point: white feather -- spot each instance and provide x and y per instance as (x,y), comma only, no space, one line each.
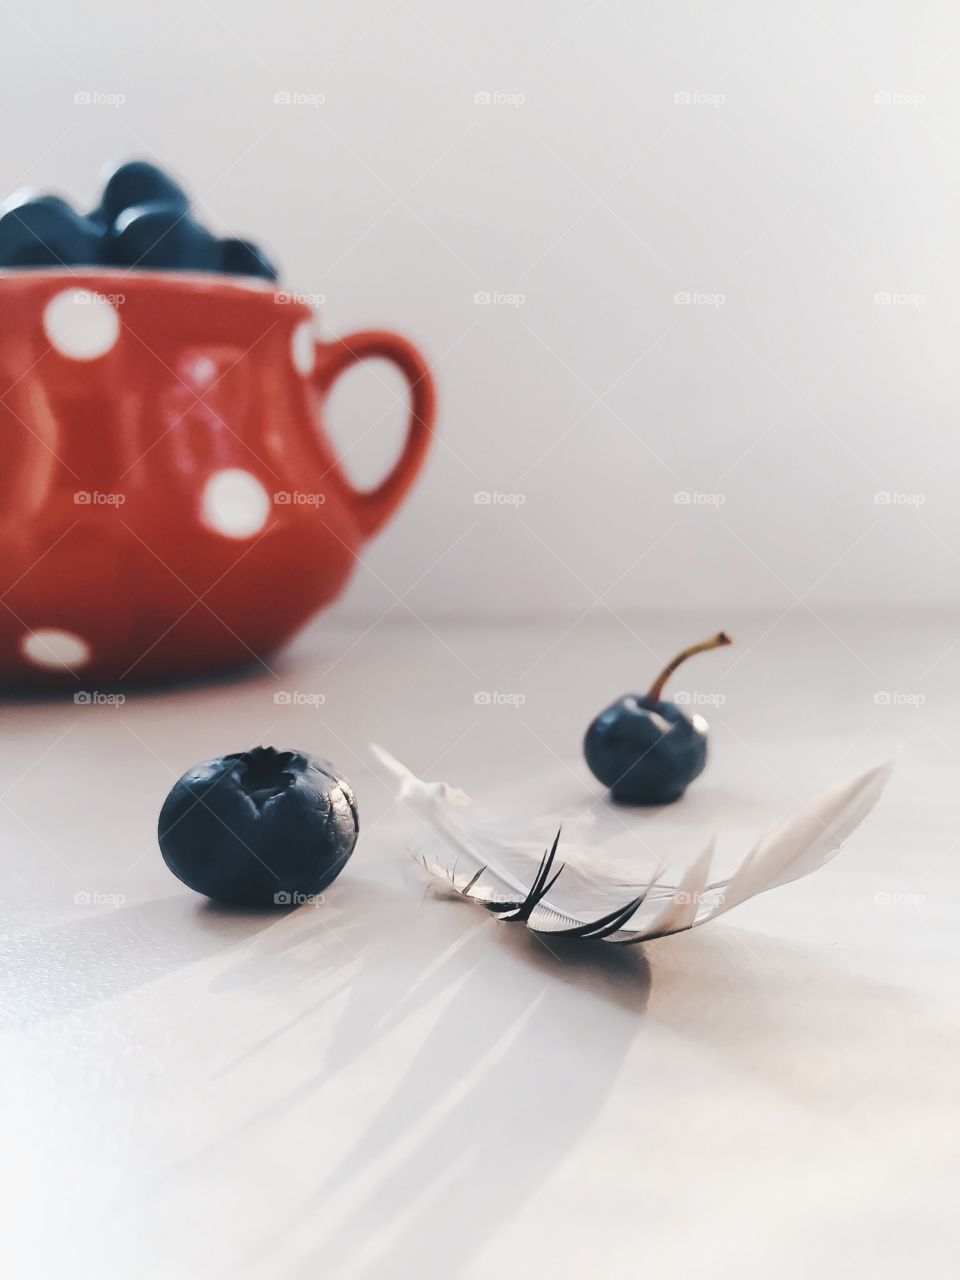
(466,849)
(807,842)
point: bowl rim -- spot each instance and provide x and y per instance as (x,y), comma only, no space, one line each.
(249,288)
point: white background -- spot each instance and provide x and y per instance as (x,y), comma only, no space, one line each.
(786,186)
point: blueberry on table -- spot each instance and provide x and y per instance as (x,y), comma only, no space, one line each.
(160,236)
(136,183)
(644,748)
(43,231)
(243,258)
(259,828)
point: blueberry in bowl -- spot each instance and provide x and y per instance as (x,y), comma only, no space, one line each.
(136,183)
(44,231)
(160,236)
(243,258)
(259,828)
(143,221)
(643,747)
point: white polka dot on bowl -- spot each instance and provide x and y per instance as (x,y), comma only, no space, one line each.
(303,348)
(54,650)
(81,324)
(235,503)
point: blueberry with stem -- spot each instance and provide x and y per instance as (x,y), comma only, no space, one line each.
(645,749)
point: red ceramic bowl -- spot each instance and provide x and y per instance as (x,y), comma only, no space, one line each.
(169,504)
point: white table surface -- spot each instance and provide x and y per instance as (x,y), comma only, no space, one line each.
(392,1085)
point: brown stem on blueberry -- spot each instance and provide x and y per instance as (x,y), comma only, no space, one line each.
(715,642)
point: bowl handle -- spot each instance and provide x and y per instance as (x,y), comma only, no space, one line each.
(373,507)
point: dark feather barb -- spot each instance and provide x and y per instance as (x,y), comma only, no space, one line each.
(598,929)
(546,862)
(471,882)
(541,886)
(543,882)
(521,911)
